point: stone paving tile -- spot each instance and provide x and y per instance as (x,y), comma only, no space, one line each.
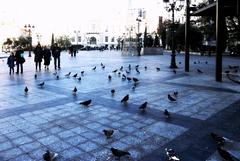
(11,154)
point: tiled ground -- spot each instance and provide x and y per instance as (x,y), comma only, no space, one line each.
(51,117)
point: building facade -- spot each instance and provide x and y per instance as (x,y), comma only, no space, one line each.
(95,35)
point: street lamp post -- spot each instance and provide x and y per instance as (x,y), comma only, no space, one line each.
(138,36)
(28,28)
(172,8)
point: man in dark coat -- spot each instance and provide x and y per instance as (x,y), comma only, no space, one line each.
(56,55)
(38,56)
(19,59)
(46,56)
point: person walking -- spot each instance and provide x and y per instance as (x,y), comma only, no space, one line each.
(71,50)
(19,59)
(56,51)
(38,56)
(10,63)
(46,57)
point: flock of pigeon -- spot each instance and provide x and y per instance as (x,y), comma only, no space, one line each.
(172,156)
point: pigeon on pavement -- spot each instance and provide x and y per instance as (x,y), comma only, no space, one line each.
(119,153)
(41,84)
(125,98)
(199,71)
(26,90)
(67,75)
(108,133)
(166,113)
(143,106)
(171,98)
(86,103)
(49,156)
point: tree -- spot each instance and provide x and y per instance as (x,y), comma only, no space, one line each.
(8,42)
(156,42)
(63,41)
(179,36)
(162,32)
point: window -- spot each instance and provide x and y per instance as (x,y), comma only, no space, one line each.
(106,39)
(112,39)
(79,39)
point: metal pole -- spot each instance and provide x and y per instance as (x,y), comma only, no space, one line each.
(173,55)
(30,43)
(220,19)
(187,26)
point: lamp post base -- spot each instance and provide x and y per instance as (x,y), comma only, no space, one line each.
(173,62)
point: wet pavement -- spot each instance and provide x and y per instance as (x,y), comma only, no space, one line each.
(51,117)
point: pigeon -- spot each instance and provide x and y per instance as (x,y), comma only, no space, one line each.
(67,75)
(199,71)
(127,72)
(175,93)
(57,77)
(119,73)
(233,67)
(129,66)
(171,98)
(129,79)
(174,71)
(199,62)
(49,156)
(143,106)
(75,75)
(55,73)
(166,113)
(195,62)
(125,98)
(103,67)
(74,90)
(172,156)
(108,133)
(79,78)
(206,62)
(119,153)
(136,66)
(109,77)
(115,71)
(124,76)
(41,84)
(137,71)
(180,62)
(121,68)
(133,88)
(225,154)
(82,72)
(158,69)
(135,80)
(113,91)
(35,76)
(102,64)
(94,68)
(218,139)
(86,103)
(26,90)
(145,67)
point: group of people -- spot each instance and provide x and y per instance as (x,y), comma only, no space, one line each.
(41,53)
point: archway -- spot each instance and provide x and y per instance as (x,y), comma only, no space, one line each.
(93,41)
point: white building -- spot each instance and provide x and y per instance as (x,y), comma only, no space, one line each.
(95,34)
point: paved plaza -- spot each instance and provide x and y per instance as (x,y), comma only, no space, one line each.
(52,118)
